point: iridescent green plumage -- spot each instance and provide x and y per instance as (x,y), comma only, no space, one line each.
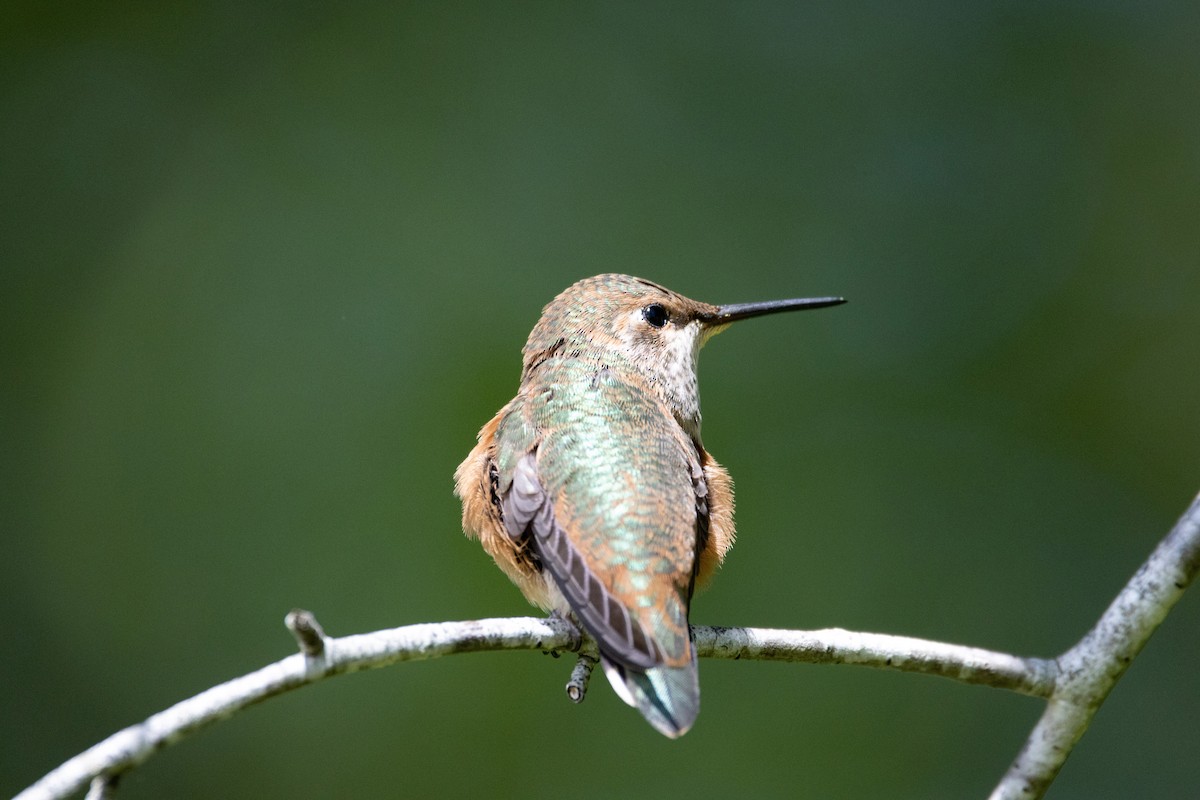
(592,490)
(612,471)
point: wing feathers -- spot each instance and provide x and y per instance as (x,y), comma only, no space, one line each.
(527,509)
(524,501)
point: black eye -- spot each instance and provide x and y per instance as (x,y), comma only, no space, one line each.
(655,315)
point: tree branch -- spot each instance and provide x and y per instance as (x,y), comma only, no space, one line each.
(1089,670)
(1075,684)
(133,745)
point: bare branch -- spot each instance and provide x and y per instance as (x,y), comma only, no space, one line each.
(1075,684)
(1090,669)
(309,635)
(1031,676)
(103,787)
(589,654)
(133,745)
(136,743)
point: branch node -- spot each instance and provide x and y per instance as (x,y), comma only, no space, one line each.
(571,629)
(582,673)
(309,635)
(103,787)
(1075,683)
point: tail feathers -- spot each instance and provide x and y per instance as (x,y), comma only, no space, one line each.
(668,697)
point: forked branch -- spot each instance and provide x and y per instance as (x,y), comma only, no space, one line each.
(1089,670)
(1075,684)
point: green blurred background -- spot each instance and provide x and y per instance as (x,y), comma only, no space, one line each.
(267,269)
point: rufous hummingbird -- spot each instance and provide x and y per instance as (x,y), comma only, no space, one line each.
(591,488)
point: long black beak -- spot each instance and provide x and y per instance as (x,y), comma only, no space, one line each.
(735,311)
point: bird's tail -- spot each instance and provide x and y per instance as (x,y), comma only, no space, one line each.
(668,697)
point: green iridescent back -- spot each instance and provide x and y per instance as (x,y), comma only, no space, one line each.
(618,473)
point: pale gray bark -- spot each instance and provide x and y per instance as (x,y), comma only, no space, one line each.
(1089,670)
(1074,684)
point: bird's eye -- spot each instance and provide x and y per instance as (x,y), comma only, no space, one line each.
(655,315)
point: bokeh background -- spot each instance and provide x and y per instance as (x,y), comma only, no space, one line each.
(267,269)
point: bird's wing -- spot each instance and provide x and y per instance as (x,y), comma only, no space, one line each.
(527,507)
(595,470)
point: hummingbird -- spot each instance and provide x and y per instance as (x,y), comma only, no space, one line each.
(592,491)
